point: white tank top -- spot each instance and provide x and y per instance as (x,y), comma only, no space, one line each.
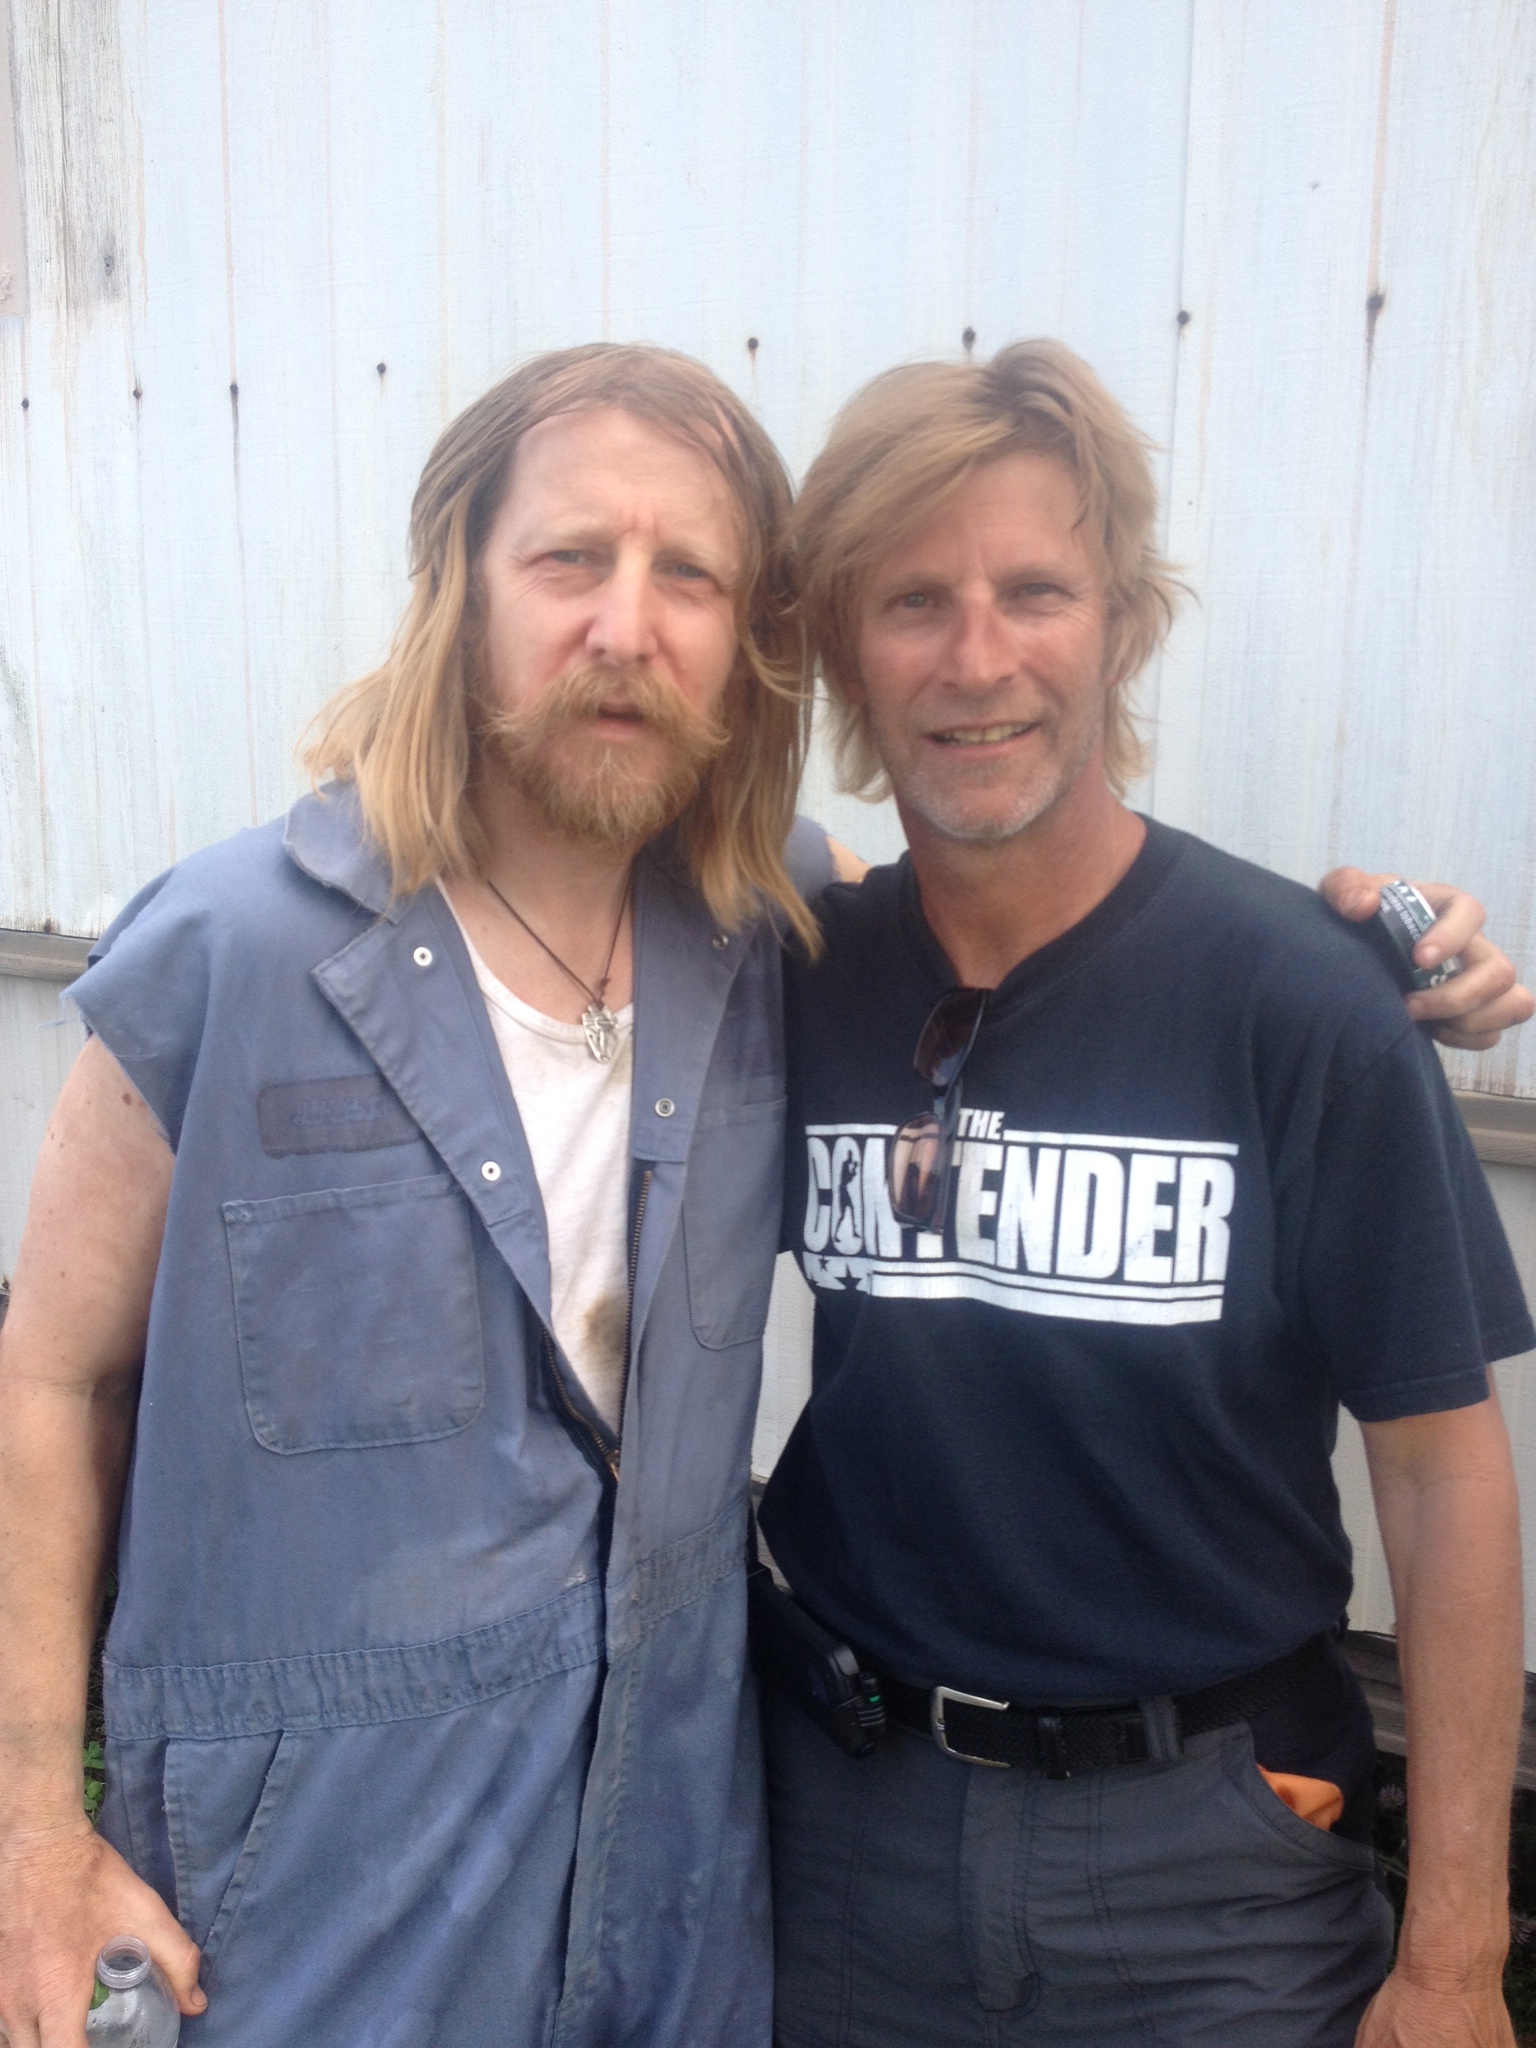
(575,1114)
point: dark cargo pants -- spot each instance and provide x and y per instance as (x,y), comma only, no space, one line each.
(921,1902)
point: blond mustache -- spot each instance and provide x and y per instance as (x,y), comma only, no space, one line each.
(585,693)
(600,792)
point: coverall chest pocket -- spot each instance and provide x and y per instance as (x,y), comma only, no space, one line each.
(357,1315)
(731,1211)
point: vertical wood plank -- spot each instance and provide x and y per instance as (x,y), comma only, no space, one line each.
(523,155)
(1438,764)
(13,247)
(281,156)
(23,854)
(92,743)
(188,529)
(1352,484)
(383,96)
(1269,420)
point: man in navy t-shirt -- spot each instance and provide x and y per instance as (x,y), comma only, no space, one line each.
(1169,1174)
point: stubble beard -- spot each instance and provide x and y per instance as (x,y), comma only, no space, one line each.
(594,789)
(973,819)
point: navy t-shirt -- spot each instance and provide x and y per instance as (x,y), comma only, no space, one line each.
(1210,1183)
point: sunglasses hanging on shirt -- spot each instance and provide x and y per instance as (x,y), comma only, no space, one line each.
(924,1145)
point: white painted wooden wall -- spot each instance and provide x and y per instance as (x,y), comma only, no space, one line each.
(270,246)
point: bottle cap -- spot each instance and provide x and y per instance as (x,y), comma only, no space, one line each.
(123,1963)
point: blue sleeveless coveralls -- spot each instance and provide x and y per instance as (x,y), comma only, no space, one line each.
(431,1734)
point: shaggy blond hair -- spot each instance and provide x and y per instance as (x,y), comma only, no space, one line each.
(405,734)
(902,449)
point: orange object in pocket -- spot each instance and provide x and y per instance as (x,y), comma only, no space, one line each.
(1313,1799)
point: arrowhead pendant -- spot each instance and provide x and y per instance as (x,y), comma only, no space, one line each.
(602,1031)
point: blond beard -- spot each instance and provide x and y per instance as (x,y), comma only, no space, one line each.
(589,787)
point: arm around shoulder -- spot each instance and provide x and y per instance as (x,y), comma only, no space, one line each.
(846,864)
(1473,1009)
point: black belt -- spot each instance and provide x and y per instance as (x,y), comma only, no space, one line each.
(1066,1741)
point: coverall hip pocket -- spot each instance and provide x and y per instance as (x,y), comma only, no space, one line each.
(222,1799)
(357,1315)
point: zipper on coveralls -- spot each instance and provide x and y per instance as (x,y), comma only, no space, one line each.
(606,1446)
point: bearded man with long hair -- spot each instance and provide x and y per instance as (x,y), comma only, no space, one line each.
(427,1150)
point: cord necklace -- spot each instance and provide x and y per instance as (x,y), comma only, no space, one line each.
(598,1022)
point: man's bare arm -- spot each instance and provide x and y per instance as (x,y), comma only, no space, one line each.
(845,862)
(70,1355)
(1446,1502)
(1473,1008)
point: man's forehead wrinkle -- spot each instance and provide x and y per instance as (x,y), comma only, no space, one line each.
(580,528)
(714,430)
(905,571)
(942,554)
(570,508)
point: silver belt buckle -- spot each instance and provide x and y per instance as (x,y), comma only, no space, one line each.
(936,1703)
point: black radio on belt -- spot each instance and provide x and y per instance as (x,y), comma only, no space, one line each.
(809,1664)
(1403,919)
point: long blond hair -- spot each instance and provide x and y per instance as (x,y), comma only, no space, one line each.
(404,734)
(902,448)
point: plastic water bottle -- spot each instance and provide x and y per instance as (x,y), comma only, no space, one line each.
(134,2006)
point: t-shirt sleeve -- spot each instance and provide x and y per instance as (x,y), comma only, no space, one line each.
(145,995)
(1406,1277)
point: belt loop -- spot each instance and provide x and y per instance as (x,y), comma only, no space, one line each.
(1165,1739)
(1053,1745)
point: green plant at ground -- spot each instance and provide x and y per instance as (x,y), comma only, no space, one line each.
(94,1759)
(95,1778)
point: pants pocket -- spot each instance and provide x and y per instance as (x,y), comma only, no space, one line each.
(222,1800)
(1318,1845)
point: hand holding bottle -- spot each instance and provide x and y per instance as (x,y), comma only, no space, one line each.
(64,1894)
(134,2005)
